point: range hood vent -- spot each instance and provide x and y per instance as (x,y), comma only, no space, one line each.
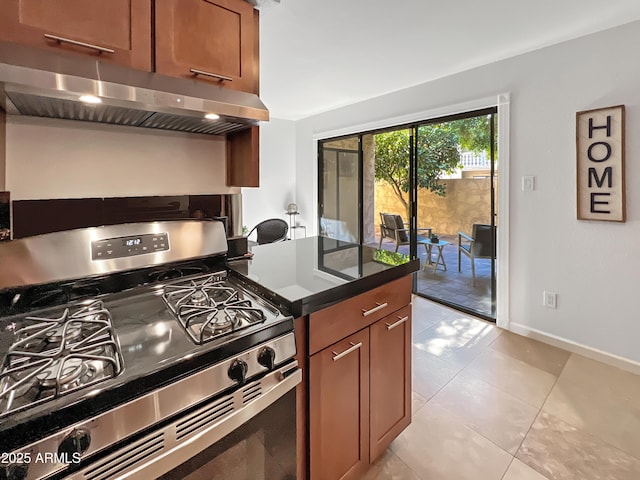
(49,84)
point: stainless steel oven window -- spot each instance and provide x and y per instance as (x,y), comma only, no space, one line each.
(264,448)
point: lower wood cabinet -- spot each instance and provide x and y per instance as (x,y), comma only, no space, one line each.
(390,374)
(359,395)
(339,409)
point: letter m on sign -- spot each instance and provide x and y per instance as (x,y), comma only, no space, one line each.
(600,164)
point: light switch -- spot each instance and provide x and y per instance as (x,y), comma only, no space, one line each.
(528,183)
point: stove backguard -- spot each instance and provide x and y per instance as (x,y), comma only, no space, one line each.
(73,254)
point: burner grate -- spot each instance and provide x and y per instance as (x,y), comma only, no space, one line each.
(54,356)
(209,308)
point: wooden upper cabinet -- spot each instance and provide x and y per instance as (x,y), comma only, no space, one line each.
(243,158)
(215,37)
(123,26)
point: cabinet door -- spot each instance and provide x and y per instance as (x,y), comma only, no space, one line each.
(390,364)
(243,158)
(215,37)
(123,26)
(339,409)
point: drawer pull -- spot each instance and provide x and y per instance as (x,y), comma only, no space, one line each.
(379,306)
(78,44)
(391,326)
(221,78)
(352,348)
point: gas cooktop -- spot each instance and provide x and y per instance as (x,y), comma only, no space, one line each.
(50,357)
(71,349)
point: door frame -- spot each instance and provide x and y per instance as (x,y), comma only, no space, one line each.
(503,102)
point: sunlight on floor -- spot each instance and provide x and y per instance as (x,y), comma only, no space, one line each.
(459,333)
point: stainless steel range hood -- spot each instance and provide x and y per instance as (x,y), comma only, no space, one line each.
(49,84)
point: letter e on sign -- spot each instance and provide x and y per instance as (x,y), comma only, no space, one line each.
(600,164)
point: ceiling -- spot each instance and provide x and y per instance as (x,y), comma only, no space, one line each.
(317,55)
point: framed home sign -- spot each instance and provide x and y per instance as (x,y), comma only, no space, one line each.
(600,164)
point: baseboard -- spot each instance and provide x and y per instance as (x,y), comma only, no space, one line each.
(571,346)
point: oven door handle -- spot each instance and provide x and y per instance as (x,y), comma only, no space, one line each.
(168,449)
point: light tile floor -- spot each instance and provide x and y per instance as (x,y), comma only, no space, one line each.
(492,405)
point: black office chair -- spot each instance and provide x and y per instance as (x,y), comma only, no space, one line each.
(270,231)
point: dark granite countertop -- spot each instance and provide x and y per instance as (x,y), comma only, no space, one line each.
(309,274)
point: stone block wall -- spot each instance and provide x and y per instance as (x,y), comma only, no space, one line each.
(467,201)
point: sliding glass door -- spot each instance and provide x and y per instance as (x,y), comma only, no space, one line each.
(428,190)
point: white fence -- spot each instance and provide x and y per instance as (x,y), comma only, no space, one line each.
(475,160)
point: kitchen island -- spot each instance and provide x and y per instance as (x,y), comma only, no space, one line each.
(353,336)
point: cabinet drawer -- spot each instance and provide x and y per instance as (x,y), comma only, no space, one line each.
(342,319)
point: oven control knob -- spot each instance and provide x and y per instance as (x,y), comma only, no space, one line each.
(74,444)
(14,471)
(267,357)
(238,371)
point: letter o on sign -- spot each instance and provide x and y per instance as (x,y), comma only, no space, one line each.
(607,148)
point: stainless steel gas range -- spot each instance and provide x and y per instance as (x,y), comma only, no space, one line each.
(129,351)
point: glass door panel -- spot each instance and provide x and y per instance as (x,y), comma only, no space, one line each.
(455,180)
(340,190)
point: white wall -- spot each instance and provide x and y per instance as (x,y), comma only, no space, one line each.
(277,175)
(49,158)
(593,266)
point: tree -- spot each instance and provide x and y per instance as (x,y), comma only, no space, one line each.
(439,148)
(437,153)
(474,133)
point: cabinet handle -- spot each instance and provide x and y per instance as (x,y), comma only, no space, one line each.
(379,306)
(391,326)
(221,78)
(352,348)
(79,44)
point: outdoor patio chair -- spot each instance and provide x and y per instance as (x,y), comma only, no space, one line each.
(270,231)
(393,226)
(480,244)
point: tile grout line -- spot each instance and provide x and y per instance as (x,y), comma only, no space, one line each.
(537,415)
(513,455)
(511,394)
(508,467)
(484,349)
(462,421)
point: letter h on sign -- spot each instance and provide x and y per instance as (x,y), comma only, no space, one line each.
(600,164)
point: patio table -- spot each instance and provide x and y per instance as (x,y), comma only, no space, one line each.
(428,244)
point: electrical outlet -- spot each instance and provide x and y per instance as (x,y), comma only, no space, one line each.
(549,299)
(528,183)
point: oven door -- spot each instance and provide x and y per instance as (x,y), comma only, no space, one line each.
(264,448)
(247,434)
